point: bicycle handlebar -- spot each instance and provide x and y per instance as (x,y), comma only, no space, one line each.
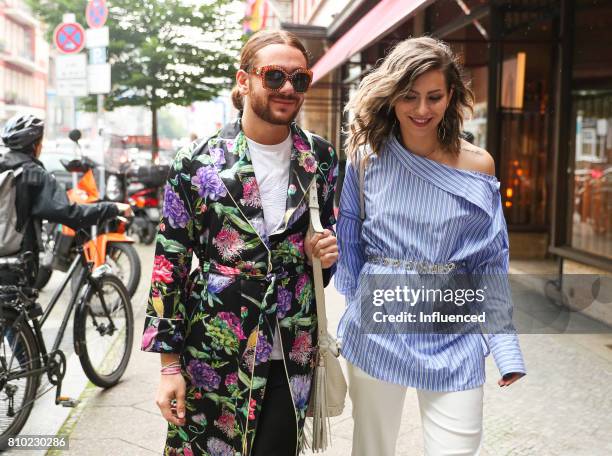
(83,234)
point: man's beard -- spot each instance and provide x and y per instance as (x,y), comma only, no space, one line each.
(261,107)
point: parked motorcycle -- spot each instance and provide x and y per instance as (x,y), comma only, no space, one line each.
(145,194)
(110,244)
(145,205)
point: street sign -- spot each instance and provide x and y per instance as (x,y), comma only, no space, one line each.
(71,75)
(99,78)
(96,13)
(69,37)
(71,66)
(71,87)
(98,37)
(97,56)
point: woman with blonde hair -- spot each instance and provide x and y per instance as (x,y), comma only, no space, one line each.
(430,204)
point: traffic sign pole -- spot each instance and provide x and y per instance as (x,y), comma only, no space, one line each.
(100,126)
(97,42)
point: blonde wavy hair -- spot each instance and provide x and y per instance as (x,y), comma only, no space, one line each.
(372,105)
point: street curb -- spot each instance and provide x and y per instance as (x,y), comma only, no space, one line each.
(73,418)
(70,423)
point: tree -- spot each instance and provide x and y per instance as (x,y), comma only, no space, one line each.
(170,126)
(161,51)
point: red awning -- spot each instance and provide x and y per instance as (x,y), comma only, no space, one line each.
(380,20)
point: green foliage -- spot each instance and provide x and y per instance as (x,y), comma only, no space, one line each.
(162,51)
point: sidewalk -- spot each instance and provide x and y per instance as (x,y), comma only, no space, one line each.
(123,420)
(563,407)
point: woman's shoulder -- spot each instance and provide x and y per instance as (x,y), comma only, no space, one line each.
(474,158)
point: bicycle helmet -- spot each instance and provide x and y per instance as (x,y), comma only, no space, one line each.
(22,131)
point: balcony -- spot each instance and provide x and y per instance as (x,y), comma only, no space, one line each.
(9,110)
(23,60)
(20,15)
(19,101)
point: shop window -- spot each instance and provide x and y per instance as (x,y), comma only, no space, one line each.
(592,187)
(591,136)
(526,114)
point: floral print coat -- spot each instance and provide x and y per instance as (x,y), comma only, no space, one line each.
(222,316)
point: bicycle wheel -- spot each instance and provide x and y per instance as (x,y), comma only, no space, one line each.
(125,263)
(124,260)
(43,276)
(18,354)
(103,334)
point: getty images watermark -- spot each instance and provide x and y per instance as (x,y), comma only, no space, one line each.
(494,304)
(411,297)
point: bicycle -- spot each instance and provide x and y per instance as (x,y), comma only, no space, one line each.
(103,332)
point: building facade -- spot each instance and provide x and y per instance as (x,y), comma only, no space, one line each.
(542,78)
(24,61)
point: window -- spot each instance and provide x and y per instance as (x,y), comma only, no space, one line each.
(591,120)
(526,115)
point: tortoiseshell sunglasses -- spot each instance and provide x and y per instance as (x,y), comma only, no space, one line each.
(273,78)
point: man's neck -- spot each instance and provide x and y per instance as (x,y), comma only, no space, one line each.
(262,132)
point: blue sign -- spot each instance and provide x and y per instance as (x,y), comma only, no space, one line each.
(97,13)
(97,56)
(69,37)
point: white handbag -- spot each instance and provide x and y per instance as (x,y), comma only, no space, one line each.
(329,386)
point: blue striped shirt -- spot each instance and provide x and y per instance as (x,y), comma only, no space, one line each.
(422,210)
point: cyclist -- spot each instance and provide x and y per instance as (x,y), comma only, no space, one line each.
(38,194)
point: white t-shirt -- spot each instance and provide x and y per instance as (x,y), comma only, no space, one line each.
(271,165)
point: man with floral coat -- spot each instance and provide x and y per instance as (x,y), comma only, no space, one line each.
(251,295)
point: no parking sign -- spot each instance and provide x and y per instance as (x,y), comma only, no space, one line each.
(96,13)
(69,37)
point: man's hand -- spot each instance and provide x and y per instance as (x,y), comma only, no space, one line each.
(126,209)
(323,246)
(171,398)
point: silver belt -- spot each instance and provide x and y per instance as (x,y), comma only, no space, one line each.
(422,267)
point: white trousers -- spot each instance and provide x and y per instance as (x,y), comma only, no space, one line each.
(451,421)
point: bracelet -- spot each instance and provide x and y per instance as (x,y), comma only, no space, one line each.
(171,370)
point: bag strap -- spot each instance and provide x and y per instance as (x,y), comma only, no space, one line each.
(16,171)
(361,170)
(316,227)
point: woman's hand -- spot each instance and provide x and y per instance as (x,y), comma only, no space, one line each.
(323,246)
(510,378)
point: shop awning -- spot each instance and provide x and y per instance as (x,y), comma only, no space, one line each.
(379,21)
